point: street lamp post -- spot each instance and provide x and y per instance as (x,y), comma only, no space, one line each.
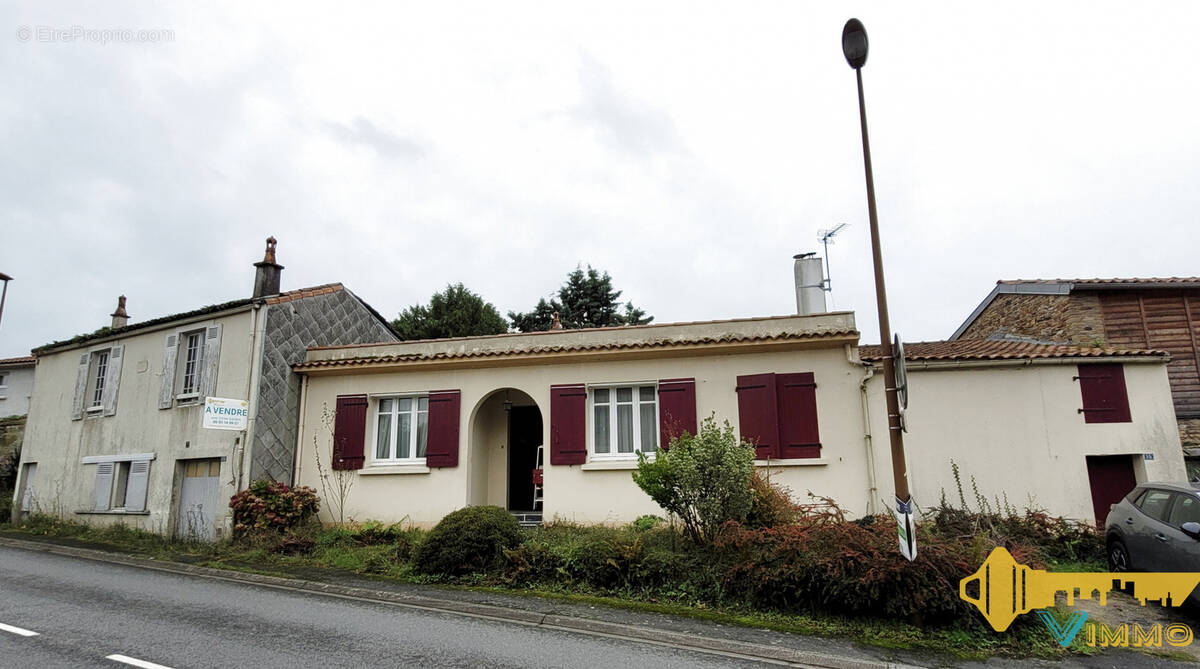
(854,46)
(5,278)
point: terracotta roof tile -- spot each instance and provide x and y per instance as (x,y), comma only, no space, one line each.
(983,349)
(24,360)
(302,293)
(1107,282)
(551,349)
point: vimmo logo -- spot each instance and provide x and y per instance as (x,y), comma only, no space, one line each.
(1003,589)
(1097,635)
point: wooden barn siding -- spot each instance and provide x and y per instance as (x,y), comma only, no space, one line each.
(1165,320)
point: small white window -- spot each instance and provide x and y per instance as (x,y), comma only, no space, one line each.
(96,379)
(120,485)
(191,359)
(624,421)
(401,429)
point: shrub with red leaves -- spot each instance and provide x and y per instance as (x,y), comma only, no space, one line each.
(848,568)
(272,506)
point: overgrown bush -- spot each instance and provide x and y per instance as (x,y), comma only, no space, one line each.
(270,506)
(702,479)
(846,568)
(771,504)
(468,540)
(998,523)
(9,464)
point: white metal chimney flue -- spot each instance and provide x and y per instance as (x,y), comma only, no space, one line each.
(810,284)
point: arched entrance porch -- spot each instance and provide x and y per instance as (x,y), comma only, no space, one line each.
(506,431)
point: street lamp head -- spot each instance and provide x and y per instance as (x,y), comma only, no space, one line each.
(854,43)
(5,277)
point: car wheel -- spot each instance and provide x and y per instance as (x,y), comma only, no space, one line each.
(1118,556)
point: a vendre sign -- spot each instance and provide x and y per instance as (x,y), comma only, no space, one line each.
(225,414)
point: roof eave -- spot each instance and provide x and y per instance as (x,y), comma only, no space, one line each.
(523,358)
(141,328)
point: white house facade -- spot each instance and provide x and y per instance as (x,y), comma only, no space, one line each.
(427,427)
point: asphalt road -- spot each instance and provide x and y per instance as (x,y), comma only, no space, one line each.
(84,611)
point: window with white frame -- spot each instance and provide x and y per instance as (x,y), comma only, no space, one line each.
(96,378)
(624,421)
(401,429)
(191,357)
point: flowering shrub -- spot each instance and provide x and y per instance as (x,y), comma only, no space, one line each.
(272,506)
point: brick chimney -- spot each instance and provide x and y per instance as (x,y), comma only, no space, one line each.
(266,276)
(119,318)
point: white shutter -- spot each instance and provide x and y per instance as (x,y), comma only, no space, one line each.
(135,488)
(28,497)
(112,380)
(104,483)
(166,392)
(81,381)
(212,357)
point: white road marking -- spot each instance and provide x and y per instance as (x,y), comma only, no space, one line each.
(16,630)
(133,661)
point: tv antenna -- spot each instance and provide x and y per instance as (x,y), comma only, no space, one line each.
(825,237)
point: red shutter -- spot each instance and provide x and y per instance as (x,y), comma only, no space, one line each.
(349,431)
(676,409)
(798,435)
(568,425)
(1104,397)
(758,413)
(441,442)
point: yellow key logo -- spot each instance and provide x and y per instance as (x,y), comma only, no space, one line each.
(1007,589)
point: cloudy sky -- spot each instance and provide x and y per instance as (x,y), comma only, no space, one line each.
(687,148)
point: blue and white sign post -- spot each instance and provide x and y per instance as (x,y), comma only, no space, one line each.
(225,414)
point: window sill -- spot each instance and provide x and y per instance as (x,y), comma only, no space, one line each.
(602,465)
(797,462)
(112,512)
(381,470)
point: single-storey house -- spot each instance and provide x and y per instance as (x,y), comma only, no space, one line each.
(116,428)
(426,427)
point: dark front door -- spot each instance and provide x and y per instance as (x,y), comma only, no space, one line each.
(524,436)
(1111,478)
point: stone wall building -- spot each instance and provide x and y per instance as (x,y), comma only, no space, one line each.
(1159,314)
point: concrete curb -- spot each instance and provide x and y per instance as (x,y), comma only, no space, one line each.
(590,626)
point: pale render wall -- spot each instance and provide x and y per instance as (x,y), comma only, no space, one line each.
(579,493)
(54,441)
(1018,431)
(14,397)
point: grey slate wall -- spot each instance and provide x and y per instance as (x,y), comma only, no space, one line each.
(323,320)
